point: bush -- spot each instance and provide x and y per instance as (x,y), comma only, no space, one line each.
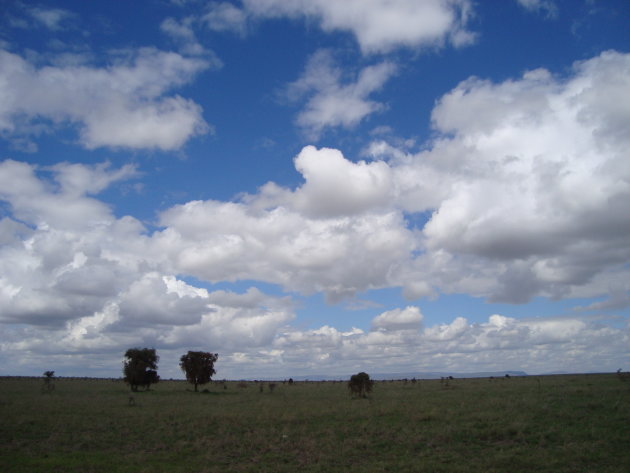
(360,384)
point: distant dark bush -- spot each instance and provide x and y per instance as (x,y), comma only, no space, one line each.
(49,381)
(360,384)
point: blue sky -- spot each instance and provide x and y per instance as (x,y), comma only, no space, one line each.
(315,187)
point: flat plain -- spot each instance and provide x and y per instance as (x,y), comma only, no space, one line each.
(568,423)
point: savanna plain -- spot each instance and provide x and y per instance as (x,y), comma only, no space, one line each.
(568,423)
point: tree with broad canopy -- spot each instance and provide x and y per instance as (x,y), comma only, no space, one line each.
(140,367)
(198,366)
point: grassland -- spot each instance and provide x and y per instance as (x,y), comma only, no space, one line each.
(571,423)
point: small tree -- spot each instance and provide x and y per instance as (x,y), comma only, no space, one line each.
(360,384)
(198,366)
(140,367)
(49,381)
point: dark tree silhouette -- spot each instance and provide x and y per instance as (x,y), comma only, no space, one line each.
(198,366)
(49,381)
(360,384)
(140,367)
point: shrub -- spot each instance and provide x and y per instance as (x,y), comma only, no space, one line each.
(360,384)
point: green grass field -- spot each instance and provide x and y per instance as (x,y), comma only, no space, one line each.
(571,423)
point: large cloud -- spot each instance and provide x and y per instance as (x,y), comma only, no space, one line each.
(528,183)
(82,280)
(379,25)
(338,256)
(122,105)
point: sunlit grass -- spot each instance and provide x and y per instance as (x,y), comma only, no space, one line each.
(553,423)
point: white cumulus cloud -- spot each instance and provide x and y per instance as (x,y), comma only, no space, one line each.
(398,319)
(527,182)
(125,104)
(333,102)
(84,280)
(336,186)
(379,26)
